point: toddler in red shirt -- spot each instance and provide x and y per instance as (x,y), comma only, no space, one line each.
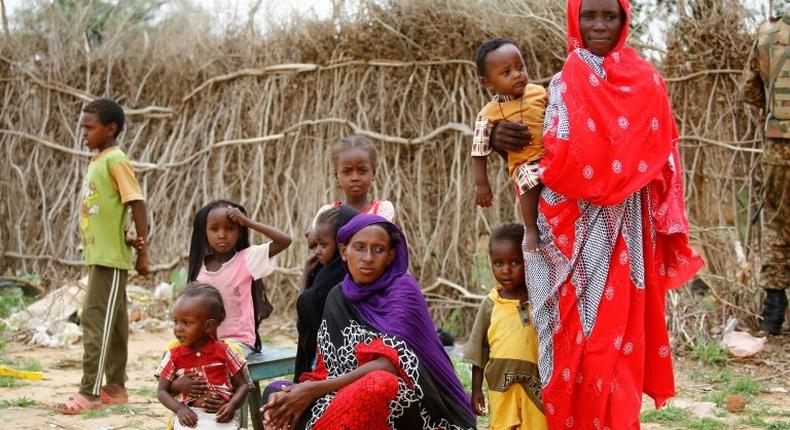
(197,313)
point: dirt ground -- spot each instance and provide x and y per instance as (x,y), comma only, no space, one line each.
(763,382)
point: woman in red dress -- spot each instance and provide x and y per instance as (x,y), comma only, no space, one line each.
(613,228)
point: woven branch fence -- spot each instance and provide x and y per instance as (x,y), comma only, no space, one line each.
(253,118)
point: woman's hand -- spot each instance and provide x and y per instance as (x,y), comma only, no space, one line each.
(286,407)
(237,216)
(510,136)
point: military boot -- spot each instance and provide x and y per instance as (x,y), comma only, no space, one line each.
(773,314)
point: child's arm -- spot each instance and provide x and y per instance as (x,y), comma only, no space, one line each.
(242,386)
(280,240)
(186,416)
(483,194)
(478,399)
(142,264)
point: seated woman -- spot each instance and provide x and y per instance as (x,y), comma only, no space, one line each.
(380,363)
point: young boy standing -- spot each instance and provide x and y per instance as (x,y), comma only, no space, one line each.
(109,189)
(503,344)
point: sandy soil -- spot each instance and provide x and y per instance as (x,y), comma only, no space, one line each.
(62,370)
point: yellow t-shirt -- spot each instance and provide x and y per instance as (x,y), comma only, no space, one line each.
(504,342)
(108,186)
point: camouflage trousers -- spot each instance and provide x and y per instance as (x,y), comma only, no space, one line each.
(775,227)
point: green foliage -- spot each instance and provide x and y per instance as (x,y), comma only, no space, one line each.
(718,376)
(704,424)
(21,402)
(454,321)
(742,386)
(178,279)
(745,386)
(32,366)
(95,16)
(481,273)
(668,415)
(9,382)
(709,352)
(779,425)
(145,391)
(464,372)
(12,300)
(120,409)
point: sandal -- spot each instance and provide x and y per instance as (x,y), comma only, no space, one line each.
(77,404)
(108,399)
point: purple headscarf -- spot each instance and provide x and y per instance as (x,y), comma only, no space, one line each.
(394,305)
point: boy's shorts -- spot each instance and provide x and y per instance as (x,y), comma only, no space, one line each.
(526,177)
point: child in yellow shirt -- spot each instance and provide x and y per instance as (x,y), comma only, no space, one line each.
(503,345)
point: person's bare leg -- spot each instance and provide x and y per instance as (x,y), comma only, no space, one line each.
(528,204)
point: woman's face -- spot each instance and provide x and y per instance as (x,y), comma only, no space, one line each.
(368,254)
(600,22)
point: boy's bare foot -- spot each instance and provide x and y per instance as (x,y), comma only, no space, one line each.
(531,237)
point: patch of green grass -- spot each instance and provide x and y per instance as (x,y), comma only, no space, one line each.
(756,420)
(464,372)
(716,397)
(666,415)
(704,424)
(745,387)
(21,402)
(12,300)
(9,382)
(741,386)
(718,376)
(753,420)
(145,391)
(31,365)
(111,410)
(708,352)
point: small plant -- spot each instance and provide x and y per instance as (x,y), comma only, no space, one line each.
(112,410)
(704,424)
(11,300)
(145,391)
(745,387)
(28,366)
(464,372)
(8,382)
(21,402)
(718,376)
(709,352)
(668,415)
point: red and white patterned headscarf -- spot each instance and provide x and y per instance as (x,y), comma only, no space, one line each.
(621,130)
